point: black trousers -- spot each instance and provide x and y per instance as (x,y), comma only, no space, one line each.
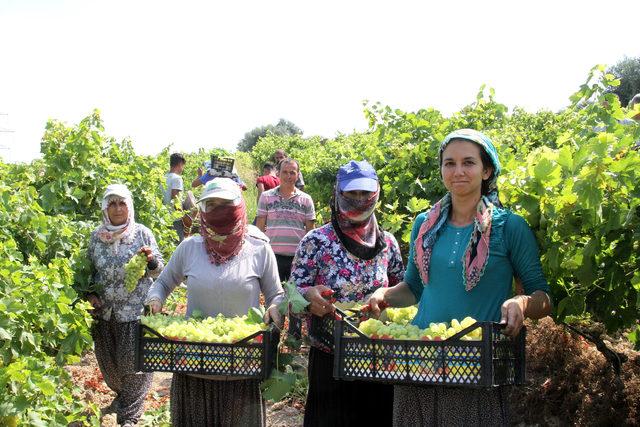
(284,266)
(335,403)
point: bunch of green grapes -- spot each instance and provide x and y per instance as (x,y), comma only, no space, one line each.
(404,331)
(134,269)
(402,315)
(218,329)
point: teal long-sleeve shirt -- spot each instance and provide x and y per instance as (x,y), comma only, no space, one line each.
(512,252)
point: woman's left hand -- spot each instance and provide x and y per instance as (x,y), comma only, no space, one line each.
(513,315)
(273,314)
(152,263)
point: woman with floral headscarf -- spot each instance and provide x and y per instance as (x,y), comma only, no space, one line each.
(116,309)
(350,257)
(464,254)
(226,268)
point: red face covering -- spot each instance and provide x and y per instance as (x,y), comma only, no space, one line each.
(223,230)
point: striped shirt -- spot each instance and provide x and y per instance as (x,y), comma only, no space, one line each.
(285,218)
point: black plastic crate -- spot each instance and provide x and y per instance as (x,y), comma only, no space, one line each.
(245,358)
(493,361)
(322,330)
(222,164)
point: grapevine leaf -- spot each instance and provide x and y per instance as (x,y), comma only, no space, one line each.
(278,385)
(635,281)
(292,298)
(565,159)
(574,304)
(4,334)
(415,205)
(254,315)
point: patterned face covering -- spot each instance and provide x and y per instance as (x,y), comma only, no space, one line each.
(223,230)
(356,218)
(477,252)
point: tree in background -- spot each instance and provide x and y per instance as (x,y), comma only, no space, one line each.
(283,127)
(628,71)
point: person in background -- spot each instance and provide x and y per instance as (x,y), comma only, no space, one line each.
(286,214)
(206,176)
(268,180)
(277,157)
(351,257)
(226,267)
(464,254)
(175,185)
(116,309)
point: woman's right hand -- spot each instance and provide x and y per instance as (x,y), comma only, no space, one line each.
(94,300)
(376,302)
(155,306)
(319,306)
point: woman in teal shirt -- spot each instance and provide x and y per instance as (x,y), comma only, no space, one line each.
(464,253)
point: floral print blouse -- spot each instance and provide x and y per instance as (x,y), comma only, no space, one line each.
(107,262)
(321,259)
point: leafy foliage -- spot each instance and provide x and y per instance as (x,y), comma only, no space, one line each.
(628,71)
(48,210)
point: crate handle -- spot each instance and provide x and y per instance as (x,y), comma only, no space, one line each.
(154,332)
(350,325)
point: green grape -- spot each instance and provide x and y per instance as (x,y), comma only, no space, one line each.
(402,315)
(134,269)
(218,329)
(400,329)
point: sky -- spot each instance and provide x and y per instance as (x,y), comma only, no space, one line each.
(201,74)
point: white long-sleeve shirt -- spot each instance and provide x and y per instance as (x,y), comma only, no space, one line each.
(230,288)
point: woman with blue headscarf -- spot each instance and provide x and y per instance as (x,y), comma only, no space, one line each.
(463,256)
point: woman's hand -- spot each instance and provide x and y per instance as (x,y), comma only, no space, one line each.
(376,300)
(273,315)
(155,306)
(152,262)
(319,306)
(95,302)
(513,315)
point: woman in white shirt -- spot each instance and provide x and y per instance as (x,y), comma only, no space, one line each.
(226,267)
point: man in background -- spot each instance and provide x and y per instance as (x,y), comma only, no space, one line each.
(268,180)
(174,186)
(285,214)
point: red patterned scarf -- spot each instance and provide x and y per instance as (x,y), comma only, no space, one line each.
(356,218)
(223,230)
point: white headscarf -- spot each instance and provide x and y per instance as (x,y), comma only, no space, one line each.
(109,233)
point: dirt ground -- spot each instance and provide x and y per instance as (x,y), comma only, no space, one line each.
(87,376)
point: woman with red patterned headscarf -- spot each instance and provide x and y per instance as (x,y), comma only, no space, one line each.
(226,268)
